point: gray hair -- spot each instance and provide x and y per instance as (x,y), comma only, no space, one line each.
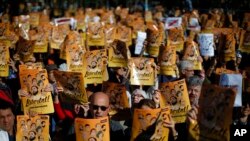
(195,81)
(184,64)
(142,92)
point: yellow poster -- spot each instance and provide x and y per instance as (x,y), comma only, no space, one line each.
(142,71)
(110,31)
(74,55)
(38,97)
(245,41)
(32,128)
(117,95)
(137,24)
(116,56)
(95,34)
(73,86)
(215,115)
(41,44)
(124,34)
(25,49)
(154,38)
(192,54)
(228,51)
(57,38)
(94,66)
(92,129)
(4,58)
(34,19)
(168,61)
(176,38)
(144,120)
(175,94)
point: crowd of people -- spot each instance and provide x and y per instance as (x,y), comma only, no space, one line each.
(100,103)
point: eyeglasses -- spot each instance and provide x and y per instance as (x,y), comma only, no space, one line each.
(96,107)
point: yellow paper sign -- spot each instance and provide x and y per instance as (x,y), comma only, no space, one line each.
(92,129)
(142,71)
(175,94)
(32,128)
(73,86)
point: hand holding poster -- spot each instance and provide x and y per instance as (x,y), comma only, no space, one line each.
(148,124)
(175,94)
(206,42)
(233,81)
(73,86)
(142,71)
(214,114)
(92,129)
(32,128)
(35,83)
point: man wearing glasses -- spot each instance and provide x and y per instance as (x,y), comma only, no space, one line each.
(99,107)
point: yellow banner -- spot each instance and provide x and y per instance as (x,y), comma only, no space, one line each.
(95,34)
(32,128)
(36,83)
(124,34)
(192,54)
(215,114)
(117,95)
(4,58)
(92,129)
(116,58)
(142,71)
(94,66)
(175,94)
(146,119)
(73,86)
(176,38)
(74,58)
(168,61)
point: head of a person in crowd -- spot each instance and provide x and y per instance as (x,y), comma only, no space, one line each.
(238,58)
(138,95)
(7,117)
(50,68)
(99,105)
(186,69)
(245,109)
(146,104)
(194,84)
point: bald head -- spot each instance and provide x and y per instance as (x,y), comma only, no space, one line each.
(99,105)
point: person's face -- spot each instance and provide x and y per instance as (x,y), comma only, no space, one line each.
(32,134)
(7,119)
(245,110)
(34,90)
(188,73)
(99,106)
(52,77)
(137,97)
(156,96)
(194,94)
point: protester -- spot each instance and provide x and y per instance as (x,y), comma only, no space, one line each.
(7,119)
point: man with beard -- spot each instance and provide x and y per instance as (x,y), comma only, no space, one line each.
(194,84)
